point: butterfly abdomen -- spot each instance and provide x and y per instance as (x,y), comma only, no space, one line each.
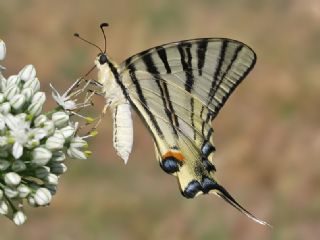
(122,130)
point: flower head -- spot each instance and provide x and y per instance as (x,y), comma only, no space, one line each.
(33,144)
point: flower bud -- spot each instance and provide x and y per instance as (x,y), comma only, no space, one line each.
(28,93)
(39,97)
(41,156)
(58,156)
(23,190)
(4,165)
(2,50)
(58,168)
(42,172)
(4,208)
(35,108)
(28,73)
(42,196)
(18,166)
(39,133)
(32,201)
(51,188)
(76,153)
(3,81)
(67,132)
(11,91)
(40,120)
(13,80)
(52,179)
(34,84)
(55,142)
(5,108)
(12,179)
(11,192)
(21,116)
(17,150)
(19,218)
(49,127)
(78,142)
(17,101)
(60,119)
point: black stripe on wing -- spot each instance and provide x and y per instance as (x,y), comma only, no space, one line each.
(163,56)
(217,72)
(140,94)
(162,85)
(201,54)
(186,62)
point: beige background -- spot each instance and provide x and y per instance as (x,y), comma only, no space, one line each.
(267,135)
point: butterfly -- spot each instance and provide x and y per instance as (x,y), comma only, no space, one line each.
(177,89)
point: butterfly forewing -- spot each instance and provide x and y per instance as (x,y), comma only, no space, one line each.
(178,89)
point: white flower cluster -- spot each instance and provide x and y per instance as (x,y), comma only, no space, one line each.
(33,145)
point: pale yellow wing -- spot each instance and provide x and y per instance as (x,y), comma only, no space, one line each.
(178,89)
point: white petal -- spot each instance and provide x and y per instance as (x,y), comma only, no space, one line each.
(2,50)
(39,133)
(70,105)
(11,121)
(17,150)
(76,153)
(1,97)
(78,142)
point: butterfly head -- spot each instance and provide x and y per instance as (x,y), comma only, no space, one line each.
(102,58)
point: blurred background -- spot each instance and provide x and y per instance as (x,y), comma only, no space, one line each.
(267,136)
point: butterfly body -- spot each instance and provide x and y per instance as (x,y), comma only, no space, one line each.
(177,89)
(118,104)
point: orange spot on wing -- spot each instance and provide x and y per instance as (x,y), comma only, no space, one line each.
(176,155)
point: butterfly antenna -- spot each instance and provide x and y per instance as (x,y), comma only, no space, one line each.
(78,36)
(102,25)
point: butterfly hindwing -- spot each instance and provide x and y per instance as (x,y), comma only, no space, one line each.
(178,89)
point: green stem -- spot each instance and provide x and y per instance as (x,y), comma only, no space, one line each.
(53,111)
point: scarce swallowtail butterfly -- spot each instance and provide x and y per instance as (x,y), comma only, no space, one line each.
(177,89)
